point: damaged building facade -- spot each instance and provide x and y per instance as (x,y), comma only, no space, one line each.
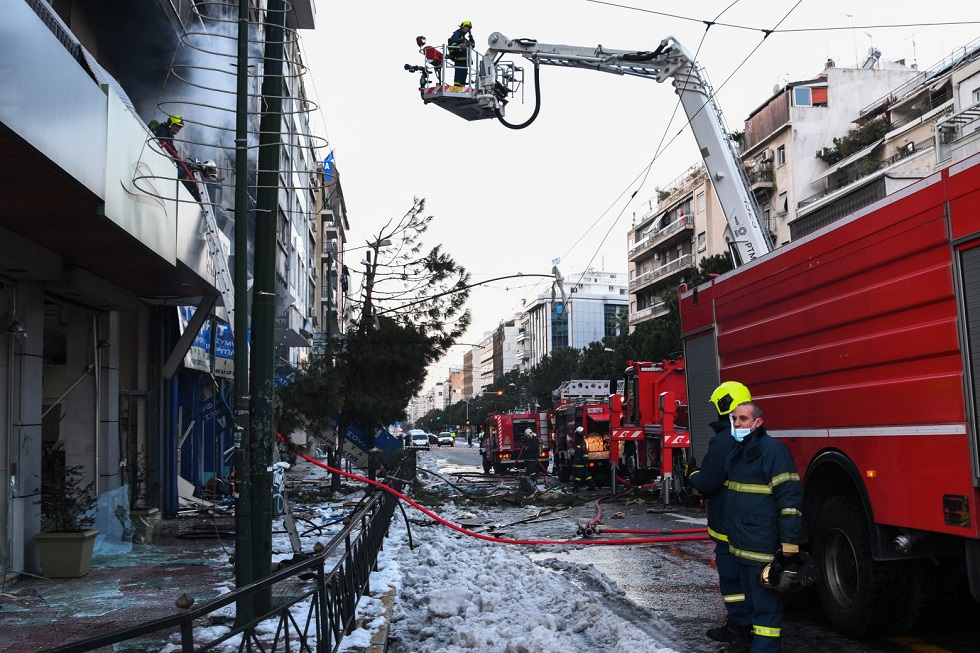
(106,258)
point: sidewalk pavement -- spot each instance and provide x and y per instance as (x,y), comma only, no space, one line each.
(190,554)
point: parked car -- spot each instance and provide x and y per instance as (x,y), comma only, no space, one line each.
(445,438)
(418,438)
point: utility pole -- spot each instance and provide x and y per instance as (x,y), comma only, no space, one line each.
(244,611)
(261,379)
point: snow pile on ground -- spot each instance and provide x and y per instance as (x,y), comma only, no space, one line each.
(461,594)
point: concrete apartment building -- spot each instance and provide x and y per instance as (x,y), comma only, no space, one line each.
(927,123)
(781,138)
(669,237)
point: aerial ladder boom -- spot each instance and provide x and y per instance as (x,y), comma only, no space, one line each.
(495,80)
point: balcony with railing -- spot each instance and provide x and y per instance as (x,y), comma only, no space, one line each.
(658,236)
(658,273)
(674,191)
(658,309)
(761,176)
(867,166)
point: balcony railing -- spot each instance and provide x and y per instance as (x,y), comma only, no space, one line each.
(658,236)
(685,261)
(762,174)
(676,189)
(867,167)
(649,313)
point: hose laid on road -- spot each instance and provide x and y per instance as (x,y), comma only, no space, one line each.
(502,540)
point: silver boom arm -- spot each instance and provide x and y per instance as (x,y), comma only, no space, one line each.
(669,60)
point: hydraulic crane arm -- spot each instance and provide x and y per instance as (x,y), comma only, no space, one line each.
(670,60)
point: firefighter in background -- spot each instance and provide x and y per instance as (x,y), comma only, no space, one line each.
(532,450)
(460,44)
(581,474)
(710,481)
(165,133)
(763,516)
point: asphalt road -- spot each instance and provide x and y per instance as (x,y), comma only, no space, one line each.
(677,580)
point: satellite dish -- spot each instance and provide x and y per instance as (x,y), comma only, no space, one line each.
(775,89)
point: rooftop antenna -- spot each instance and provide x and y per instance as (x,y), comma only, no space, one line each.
(857,61)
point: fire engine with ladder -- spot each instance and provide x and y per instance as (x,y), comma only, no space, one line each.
(860,341)
(585,403)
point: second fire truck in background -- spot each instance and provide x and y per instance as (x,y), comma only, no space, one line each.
(652,437)
(585,403)
(502,447)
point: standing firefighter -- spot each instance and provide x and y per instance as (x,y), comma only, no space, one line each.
(762,520)
(532,451)
(581,475)
(460,44)
(711,481)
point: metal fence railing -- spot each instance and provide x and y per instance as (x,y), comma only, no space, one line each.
(308,616)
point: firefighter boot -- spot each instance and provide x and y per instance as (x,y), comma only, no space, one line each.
(727,632)
(743,640)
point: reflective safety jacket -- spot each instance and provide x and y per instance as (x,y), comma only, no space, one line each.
(711,480)
(763,507)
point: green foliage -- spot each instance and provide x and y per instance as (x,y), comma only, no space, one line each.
(412,311)
(66,503)
(311,398)
(854,140)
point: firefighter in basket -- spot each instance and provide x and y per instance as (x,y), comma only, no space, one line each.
(460,44)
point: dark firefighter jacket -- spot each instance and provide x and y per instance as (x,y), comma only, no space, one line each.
(458,44)
(763,507)
(580,456)
(710,479)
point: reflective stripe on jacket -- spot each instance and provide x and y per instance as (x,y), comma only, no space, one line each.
(763,507)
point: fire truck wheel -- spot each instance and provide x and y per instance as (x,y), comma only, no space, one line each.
(499,469)
(486,466)
(860,597)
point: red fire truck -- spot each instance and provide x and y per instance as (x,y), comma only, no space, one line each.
(502,449)
(584,403)
(651,440)
(861,343)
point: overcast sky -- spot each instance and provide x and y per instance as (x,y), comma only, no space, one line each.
(509,201)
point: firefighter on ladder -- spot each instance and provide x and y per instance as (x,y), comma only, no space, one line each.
(581,475)
(165,133)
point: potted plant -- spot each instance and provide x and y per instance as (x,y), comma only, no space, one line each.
(67,543)
(144,518)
